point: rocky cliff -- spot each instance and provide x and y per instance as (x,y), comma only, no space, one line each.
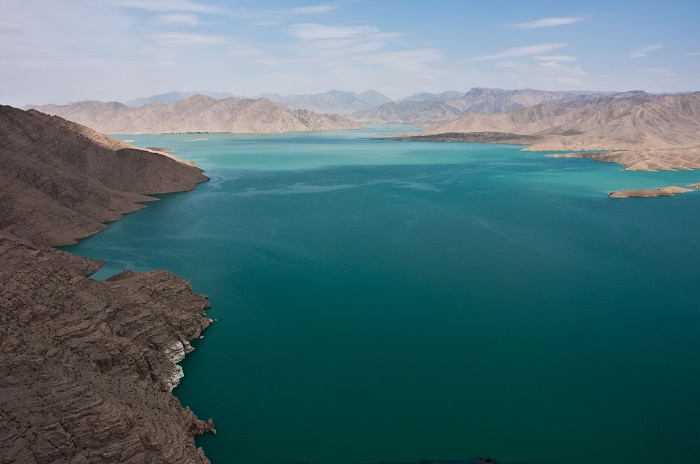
(86,366)
(198,113)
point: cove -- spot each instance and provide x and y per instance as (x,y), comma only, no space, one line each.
(381,300)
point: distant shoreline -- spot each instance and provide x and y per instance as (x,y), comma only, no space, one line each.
(634,159)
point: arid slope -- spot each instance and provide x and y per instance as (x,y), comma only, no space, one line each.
(61,181)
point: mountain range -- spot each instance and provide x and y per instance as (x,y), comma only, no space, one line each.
(174,96)
(420,108)
(332,102)
(640,131)
(198,113)
(428,108)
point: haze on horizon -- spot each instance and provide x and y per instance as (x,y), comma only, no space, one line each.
(58,52)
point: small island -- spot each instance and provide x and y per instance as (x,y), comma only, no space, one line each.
(670,191)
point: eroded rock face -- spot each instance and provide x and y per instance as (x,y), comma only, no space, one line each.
(85,365)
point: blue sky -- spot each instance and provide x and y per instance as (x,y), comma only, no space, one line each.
(70,50)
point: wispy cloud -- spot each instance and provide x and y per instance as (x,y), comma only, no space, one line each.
(177,19)
(311,32)
(168,5)
(184,39)
(556,58)
(311,10)
(411,61)
(642,52)
(520,51)
(546,22)
(561,67)
(320,39)
(271,61)
(693,54)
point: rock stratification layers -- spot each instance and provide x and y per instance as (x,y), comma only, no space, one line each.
(86,367)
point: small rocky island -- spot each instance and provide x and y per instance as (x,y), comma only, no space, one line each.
(650,193)
(87,367)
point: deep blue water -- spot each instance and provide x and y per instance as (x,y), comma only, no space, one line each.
(382,300)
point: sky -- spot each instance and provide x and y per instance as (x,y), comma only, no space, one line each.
(61,51)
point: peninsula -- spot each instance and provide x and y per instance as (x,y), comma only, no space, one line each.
(87,366)
(641,132)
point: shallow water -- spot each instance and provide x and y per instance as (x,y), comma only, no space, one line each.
(382,300)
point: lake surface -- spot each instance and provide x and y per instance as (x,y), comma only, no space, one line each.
(381,300)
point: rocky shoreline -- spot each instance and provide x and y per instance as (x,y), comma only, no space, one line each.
(86,366)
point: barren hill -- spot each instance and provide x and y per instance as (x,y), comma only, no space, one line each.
(198,113)
(86,367)
(655,132)
(61,181)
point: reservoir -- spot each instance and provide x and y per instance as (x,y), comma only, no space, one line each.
(396,301)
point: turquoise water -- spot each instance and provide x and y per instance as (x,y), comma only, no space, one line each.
(382,300)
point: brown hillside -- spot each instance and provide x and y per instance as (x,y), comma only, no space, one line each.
(61,181)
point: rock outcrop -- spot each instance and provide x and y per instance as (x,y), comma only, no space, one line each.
(86,366)
(198,113)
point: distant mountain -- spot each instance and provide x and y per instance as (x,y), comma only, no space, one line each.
(427,96)
(478,100)
(172,97)
(656,132)
(410,112)
(484,101)
(198,113)
(332,102)
(275,97)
